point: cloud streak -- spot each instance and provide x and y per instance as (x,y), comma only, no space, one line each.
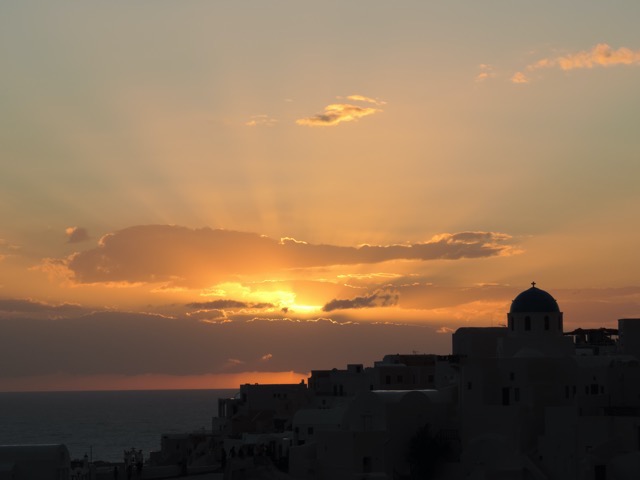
(202,257)
(380,298)
(362,98)
(261,121)
(228,304)
(18,308)
(601,55)
(486,72)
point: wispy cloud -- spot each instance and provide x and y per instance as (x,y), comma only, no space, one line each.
(601,55)
(486,72)
(321,320)
(337,113)
(370,276)
(266,358)
(362,98)
(519,77)
(380,298)
(7,249)
(231,363)
(261,121)
(209,316)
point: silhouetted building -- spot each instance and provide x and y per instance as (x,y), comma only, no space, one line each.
(30,462)
(517,402)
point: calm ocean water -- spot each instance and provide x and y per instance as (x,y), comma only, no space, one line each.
(105,423)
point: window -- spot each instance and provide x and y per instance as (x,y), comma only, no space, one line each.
(546,323)
(512,376)
(527,323)
(468,385)
(516,394)
(310,430)
(388,380)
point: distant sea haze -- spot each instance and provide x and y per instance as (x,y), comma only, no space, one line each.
(103,424)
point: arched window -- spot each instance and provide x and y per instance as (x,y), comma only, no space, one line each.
(546,322)
(527,323)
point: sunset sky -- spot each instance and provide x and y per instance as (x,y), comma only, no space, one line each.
(199,194)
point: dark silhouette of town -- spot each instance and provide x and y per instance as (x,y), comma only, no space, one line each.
(523,401)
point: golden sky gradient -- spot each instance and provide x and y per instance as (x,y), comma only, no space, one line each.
(202,194)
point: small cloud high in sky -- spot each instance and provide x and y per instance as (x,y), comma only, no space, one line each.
(337,113)
(519,77)
(601,55)
(162,182)
(486,72)
(261,120)
(362,98)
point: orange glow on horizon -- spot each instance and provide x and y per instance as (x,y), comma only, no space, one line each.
(66,382)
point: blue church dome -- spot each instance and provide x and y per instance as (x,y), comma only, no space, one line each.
(534,300)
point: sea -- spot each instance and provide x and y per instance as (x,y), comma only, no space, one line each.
(104,424)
